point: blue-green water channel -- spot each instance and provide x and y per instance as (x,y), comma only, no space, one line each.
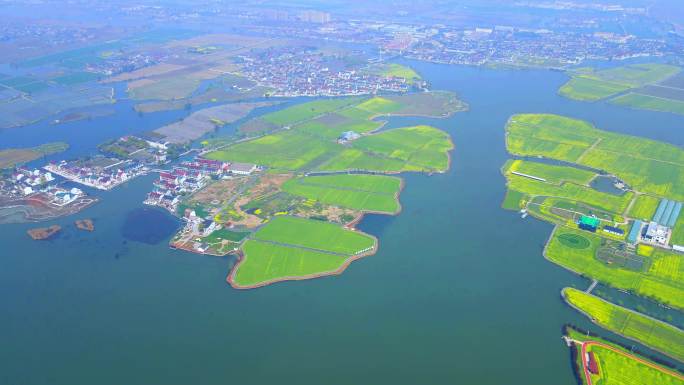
(458,293)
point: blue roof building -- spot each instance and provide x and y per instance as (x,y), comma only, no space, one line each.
(634,231)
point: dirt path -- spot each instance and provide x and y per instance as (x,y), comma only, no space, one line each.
(593,146)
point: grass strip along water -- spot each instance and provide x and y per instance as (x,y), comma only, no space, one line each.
(655,334)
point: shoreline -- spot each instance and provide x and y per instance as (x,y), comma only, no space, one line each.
(23,207)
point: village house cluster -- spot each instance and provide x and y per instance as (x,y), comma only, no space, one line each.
(25,183)
(572,42)
(535,47)
(292,71)
(98,172)
(190,176)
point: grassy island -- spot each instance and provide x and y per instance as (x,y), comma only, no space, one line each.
(13,157)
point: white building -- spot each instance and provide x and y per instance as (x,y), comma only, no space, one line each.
(241,168)
(160,146)
(657,234)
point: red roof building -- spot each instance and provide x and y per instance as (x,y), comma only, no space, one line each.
(593,365)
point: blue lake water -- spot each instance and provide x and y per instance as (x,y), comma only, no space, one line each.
(458,293)
(149,225)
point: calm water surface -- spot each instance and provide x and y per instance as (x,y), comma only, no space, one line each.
(458,293)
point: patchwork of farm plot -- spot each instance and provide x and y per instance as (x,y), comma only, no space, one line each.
(563,195)
(648,166)
(358,192)
(322,161)
(338,135)
(658,276)
(656,87)
(618,236)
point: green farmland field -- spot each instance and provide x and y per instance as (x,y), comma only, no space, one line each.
(588,89)
(678,231)
(420,148)
(313,234)
(287,150)
(649,166)
(266,262)
(292,248)
(589,85)
(644,207)
(395,70)
(431,104)
(380,105)
(552,174)
(308,110)
(513,199)
(650,332)
(647,102)
(595,85)
(638,75)
(378,184)
(662,281)
(356,113)
(358,192)
(570,191)
(312,145)
(354,159)
(331,126)
(617,369)
(550,136)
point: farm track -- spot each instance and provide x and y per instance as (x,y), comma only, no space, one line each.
(593,146)
(300,247)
